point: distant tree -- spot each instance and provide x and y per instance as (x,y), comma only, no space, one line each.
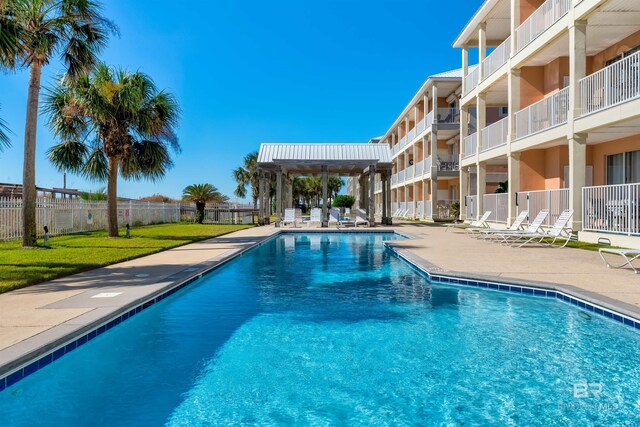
(503,187)
(314,189)
(112,122)
(201,194)
(247,176)
(95,196)
(334,184)
(343,201)
(157,198)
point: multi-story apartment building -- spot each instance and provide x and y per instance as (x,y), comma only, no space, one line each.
(565,74)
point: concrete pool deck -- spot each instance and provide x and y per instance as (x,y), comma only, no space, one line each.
(38,318)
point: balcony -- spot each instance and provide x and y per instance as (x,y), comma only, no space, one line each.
(411,135)
(497,58)
(447,116)
(470,145)
(544,17)
(409,173)
(401,176)
(611,209)
(613,85)
(448,164)
(395,149)
(545,114)
(403,142)
(494,135)
(419,168)
(471,80)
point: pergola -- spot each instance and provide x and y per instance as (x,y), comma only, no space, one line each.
(288,160)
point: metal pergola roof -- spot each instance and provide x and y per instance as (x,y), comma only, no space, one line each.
(308,159)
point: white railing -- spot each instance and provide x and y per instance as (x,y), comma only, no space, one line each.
(470,145)
(497,58)
(403,208)
(448,115)
(395,149)
(411,135)
(409,172)
(544,114)
(611,209)
(401,176)
(427,209)
(555,201)
(403,142)
(544,17)
(495,135)
(615,84)
(448,163)
(471,207)
(428,120)
(67,216)
(394,208)
(427,165)
(378,186)
(409,210)
(419,168)
(420,126)
(419,209)
(471,80)
(498,204)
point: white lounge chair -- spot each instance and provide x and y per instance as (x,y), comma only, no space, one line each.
(558,231)
(361,218)
(628,255)
(334,217)
(289,217)
(480,223)
(316,217)
(517,225)
(505,235)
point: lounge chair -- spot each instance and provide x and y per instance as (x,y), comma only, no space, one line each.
(517,225)
(316,217)
(289,217)
(361,218)
(629,255)
(334,217)
(480,223)
(505,235)
(558,231)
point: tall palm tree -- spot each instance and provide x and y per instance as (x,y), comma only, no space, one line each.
(334,184)
(5,142)
(112,122)
(38,31)
(247,176)
(200,194)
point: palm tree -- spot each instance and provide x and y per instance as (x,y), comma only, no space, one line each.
(38,31)
(247,175)
(5,142)
(112,122)
(334,184)
(200,194)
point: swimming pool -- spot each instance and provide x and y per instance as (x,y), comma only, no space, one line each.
(333,328)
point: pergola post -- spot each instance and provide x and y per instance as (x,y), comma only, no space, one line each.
(325,207)
(278,196)
(372,201)
(261,206)
(267,198)
(383,178)
(388,186)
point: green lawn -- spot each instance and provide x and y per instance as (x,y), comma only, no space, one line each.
(84,251)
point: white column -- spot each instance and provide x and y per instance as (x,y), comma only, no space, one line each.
(465,68)
(515,23)
(577,67)
(482,49)
(577,170)
(481,184)
(481,116)
(372,202)
(514,184)
(325,207)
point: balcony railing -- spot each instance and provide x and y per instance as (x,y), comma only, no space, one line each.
(448,115)
(470,145)
(411,135)
(448,164)
(471,207)
(409,173)
(394,179)
(427,165)
(401,177)
(428,120)
(495,135)
(615,84)
(471,80)
(544,17)
(555,201)
(395,149)
(498,204)
(419,209)
(403,142)
(419,168)
(497,58)
(420,126)
(612,209)
(544,114)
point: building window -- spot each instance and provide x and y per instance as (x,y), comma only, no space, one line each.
(623,168)
(622,56)
(503,111)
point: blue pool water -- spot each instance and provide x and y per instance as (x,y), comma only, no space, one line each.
(333,329)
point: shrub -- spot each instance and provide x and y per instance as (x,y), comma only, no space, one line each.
(343,201)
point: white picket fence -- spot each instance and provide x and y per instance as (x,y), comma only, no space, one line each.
(66,216)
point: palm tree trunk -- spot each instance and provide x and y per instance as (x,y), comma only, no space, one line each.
(112,198)
(29,166)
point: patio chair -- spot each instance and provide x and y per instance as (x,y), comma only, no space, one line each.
(316,217)
(289,217)
(628,255)
(334,217)
(558,231)
(361,218)
(346,219)
(480,223)
(505,235)
(517,225)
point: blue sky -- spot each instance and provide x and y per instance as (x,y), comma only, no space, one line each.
(253,71)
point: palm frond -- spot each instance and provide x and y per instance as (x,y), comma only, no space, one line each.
(68,156)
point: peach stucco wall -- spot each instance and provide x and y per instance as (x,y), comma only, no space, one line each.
(600,151)
(624,45)
(543,169)
(527,7)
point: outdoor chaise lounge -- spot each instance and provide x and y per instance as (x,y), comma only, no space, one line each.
(361,218)
(517,225)
(289,217)
(628,255)
(316,217)
(480,223)
(334,217)
(505,235)
(558,231)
